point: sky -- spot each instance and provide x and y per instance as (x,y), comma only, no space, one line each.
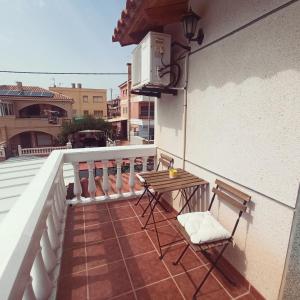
(62,36)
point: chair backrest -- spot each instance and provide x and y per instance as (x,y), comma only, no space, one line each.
(232,196)
(166,161)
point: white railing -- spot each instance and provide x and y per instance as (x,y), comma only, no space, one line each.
(31,235)
(41,151)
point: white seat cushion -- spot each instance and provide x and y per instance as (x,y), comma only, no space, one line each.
(202,227)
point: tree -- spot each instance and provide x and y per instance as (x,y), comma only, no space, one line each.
(84,123)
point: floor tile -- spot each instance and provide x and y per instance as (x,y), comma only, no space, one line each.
(74,221)
(115,204)
(99,232)
(236,288)
(127,226)
(146,269)
(166,235)
(108,281)
(189,281)
(96,217)
(128,296)
(74,238)
(73,260)
(121,212)
(134,244)
(103,252)
(187,262)
(72,287)
(159,219)
(95,207)
(164,290)
(247,297)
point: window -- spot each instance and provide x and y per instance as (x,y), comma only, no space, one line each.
(97,99)
(98,113)
(85,99)
(74,112)
(85,112)
(124,110)
(144,110)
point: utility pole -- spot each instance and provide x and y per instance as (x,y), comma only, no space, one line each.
(129,99)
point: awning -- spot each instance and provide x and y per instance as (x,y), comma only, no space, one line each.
(141,16)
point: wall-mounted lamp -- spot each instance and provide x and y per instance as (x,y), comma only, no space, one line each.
(189,22)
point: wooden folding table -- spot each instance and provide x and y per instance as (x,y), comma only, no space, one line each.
(160,183)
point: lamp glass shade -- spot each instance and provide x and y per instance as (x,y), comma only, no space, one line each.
(189,22)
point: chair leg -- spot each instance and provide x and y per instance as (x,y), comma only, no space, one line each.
(209,271)
(148,205)
(181,255)
(141,197)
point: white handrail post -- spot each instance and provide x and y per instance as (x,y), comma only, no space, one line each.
(131,175)
(53,235)
(42,284)
(91,183)
(77,184)
(119,177)
(47,252)
(28,292)
(145,159)
(105,184)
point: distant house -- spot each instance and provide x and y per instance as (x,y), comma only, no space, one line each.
(87,101)
(31,116)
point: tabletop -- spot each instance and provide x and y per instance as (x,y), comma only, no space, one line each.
(161,182)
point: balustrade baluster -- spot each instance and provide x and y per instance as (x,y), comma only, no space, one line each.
(52,232)
(145,159)
(28,292)
(131,175)
(56,203)
(56,219)
(105,184)
(41,283)
(77,186)
(91,184)
(48,254)
(119,182)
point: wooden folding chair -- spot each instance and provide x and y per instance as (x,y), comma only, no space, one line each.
(198,236)
(164,161)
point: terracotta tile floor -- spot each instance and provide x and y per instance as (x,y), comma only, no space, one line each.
(107,255)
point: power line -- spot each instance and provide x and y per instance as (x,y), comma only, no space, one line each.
(62,73)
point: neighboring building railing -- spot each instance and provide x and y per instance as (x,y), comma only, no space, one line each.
(32,233)
(40,151)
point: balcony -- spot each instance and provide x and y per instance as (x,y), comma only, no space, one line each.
(94,248)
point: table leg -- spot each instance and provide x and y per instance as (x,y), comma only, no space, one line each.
(188,200)
(154,199)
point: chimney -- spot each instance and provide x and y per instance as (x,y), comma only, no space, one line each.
(79,85)
(19,85)
(129,71)
(73,85)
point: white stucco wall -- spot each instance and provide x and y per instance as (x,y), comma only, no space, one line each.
(243,125)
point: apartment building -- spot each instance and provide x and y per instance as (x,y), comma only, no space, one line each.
(135,117)
(31,116)
(87,101)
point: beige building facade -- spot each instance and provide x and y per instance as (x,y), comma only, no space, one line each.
(31,116)
(86,101)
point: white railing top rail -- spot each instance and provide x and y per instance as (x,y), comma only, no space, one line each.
(108,153)
(22,228)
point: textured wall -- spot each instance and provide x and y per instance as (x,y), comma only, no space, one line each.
(243,125)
